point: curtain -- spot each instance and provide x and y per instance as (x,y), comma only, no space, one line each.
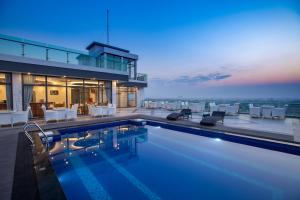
(108,91)
(8,91)
(28,90)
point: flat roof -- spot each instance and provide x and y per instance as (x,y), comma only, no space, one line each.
(105,45)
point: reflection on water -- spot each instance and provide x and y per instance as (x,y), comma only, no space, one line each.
(114,141)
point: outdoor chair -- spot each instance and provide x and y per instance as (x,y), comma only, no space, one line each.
(213,119)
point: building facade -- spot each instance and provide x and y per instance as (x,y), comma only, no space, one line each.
(34,73)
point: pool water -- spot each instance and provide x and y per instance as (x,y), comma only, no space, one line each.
(131,162)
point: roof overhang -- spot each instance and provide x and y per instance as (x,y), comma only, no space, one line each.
(27,65)
(139,84)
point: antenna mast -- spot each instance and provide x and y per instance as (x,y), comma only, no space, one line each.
(107,26)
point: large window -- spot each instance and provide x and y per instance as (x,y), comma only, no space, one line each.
(5,92)
(56,91)
(63,92)
(114,62)
(126,97)
(34,93)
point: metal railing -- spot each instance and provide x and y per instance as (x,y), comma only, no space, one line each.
(34,124)
(31,49)
(141,77)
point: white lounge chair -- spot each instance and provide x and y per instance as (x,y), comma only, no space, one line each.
(95,111)
(254,111)
(20,116)
(72,112)
(49,115)
(278,113)
(266,111)
(112,109)
(6,118)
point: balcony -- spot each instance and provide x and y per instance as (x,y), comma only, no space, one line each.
(141,77)
(13,46)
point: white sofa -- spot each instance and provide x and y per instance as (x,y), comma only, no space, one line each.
(233,109)
(20,116)
(213,107)
(6,118)
(254,111)
(95,111)
(50,115)
(112,109)
(278,113)
(266,111)
(72,112)
(197,107)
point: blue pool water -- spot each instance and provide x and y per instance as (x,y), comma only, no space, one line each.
(131,162)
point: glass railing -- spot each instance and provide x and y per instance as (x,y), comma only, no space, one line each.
(141,77)
(32,49)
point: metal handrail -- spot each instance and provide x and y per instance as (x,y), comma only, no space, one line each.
(34,124)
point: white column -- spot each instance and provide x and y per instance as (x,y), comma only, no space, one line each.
(140,96)
(114,92)
(17,91)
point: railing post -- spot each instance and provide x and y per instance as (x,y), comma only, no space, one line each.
(23,49)
(68,57)
(47,50)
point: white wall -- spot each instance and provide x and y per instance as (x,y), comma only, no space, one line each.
(17,91)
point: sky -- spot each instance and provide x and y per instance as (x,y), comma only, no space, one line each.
(191,49)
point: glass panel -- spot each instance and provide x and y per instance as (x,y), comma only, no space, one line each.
(75,95)
(37,52)
(34,80)
(5,78)
(125,64)
(10,47)
(3,99)
(36,95)
(56,81)
(117,63)
(57,55)
(57,96)
(86,60)
(100,61)
(75,82)
(122,97)
(91,95)
(131,96)
(73,58)
(110,61)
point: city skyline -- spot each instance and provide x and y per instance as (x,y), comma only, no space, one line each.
(241,49)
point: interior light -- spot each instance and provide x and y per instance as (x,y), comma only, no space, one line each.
(28,73)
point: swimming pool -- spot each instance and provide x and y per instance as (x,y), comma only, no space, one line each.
(125,161)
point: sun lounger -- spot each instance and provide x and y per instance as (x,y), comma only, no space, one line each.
(213,119)
(184,113)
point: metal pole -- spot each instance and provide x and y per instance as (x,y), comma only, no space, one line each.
(107,26)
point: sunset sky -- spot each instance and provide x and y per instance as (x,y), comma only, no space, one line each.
(204,49)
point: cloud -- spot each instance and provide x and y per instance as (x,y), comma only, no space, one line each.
(191,80)
(201,78)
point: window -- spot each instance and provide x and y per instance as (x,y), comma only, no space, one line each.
(5,92)
(34,93)
(126,97)
(63,92)
(114,62)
